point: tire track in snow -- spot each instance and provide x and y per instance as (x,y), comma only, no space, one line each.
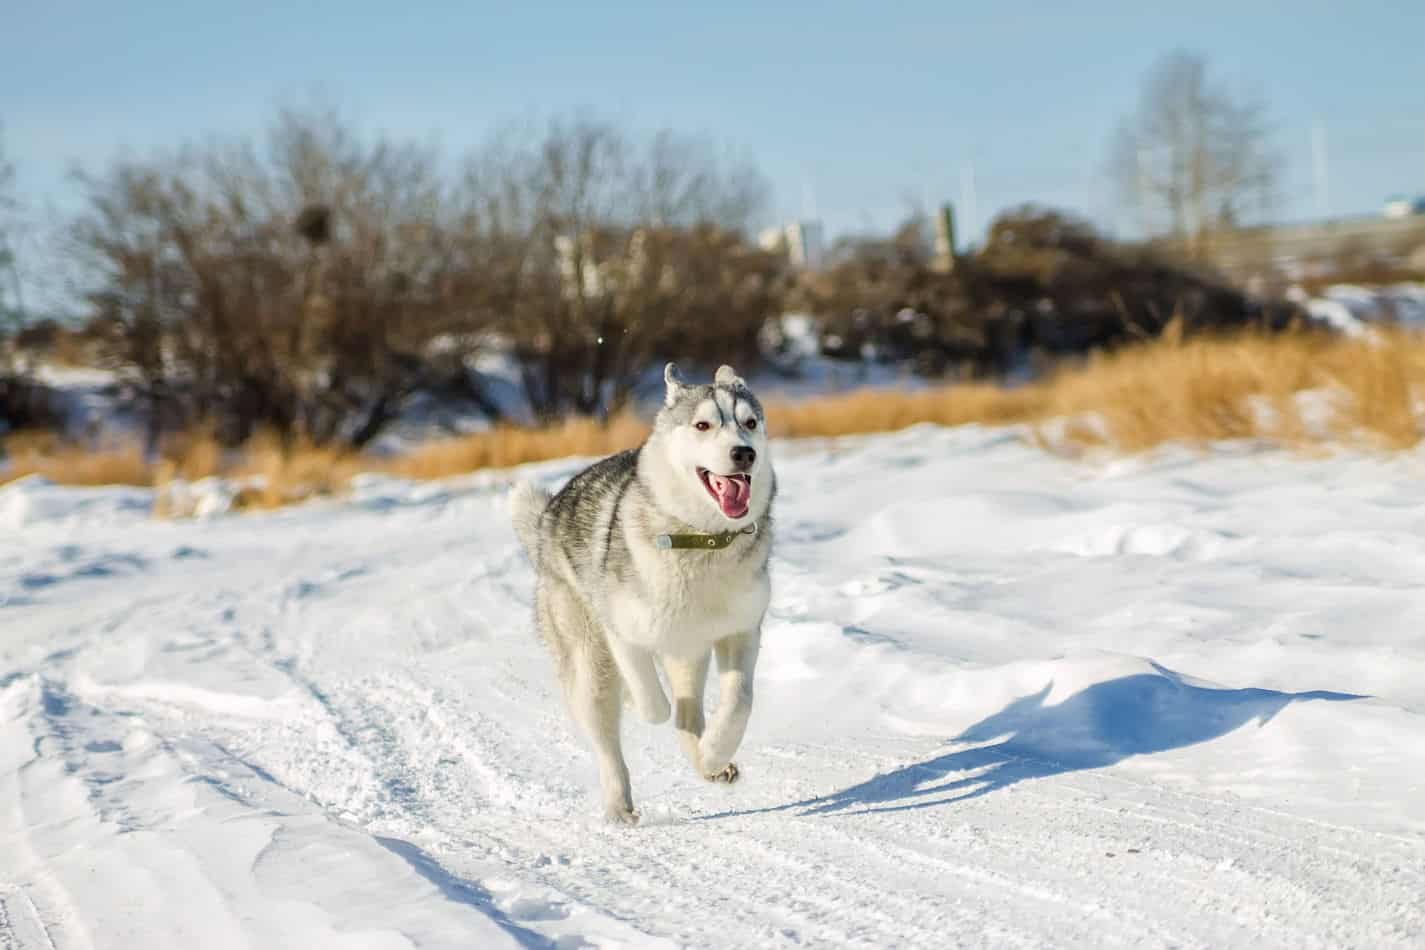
(423,709)
(21,927)
(624,878)
(383,720)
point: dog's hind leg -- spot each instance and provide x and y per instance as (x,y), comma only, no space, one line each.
(598,708)
(686,679)
(736,662)
(593,692)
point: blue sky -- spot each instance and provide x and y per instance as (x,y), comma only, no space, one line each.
(853,109)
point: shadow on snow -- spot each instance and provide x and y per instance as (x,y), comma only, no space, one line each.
(1098,726)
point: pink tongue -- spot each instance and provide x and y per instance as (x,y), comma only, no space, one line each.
(732,494)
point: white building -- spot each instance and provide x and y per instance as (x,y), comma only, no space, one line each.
(801,241)
(1401,207)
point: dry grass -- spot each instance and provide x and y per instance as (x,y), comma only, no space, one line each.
(507,446)
(45,454)
(270,473)
(877,410)
(1205,390)
(276,475)
(1171,390)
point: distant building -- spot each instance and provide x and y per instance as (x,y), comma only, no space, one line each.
(1401,207)
(771,239)
(800,241)
(578,266)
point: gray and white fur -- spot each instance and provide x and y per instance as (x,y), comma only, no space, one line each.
(614,607)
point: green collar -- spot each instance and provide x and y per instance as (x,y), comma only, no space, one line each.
(701,542)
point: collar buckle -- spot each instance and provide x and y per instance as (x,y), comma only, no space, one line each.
(701,542)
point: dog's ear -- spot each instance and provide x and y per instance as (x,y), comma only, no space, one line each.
(727,376)
(674,383)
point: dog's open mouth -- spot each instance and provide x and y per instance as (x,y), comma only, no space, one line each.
(731,492)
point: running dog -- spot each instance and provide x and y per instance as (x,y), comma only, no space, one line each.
(658,557)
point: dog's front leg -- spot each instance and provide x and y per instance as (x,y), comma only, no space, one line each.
(640,675)
(736,662)
(686,680)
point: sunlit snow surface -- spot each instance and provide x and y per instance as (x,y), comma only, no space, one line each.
(1004,699)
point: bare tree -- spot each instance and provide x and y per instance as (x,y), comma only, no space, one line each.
(1193,152)
(606,252)
(24,401)
(12,302)
(308,286)
(311,282)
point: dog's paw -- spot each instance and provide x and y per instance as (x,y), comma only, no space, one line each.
(728,774)
(619,815)
(714,756)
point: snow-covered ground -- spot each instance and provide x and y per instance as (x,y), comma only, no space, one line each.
(1005,699)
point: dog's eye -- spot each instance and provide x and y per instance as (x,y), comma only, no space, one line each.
(702,426)
(750,424)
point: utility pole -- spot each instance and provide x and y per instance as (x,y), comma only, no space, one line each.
(967,199)
(944,260)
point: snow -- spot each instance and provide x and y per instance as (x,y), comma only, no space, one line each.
(1005,699)
(90,401)
(1407,302)
(1336,314)
(1351,309)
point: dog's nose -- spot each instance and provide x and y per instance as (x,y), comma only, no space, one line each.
(743,456)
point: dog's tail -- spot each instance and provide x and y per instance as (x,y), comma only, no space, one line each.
(527,504)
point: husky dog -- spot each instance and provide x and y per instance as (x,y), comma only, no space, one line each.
(658,557)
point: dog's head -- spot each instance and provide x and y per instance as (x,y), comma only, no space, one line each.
(713,442)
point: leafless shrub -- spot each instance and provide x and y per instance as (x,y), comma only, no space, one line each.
(25,403)
(295,288)
(1043,286)
(310,285)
